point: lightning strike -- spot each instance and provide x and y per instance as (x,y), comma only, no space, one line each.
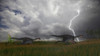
(70,24)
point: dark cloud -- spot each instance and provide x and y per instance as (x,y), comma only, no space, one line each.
(35,18)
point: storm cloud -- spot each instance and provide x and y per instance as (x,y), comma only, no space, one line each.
(41,18)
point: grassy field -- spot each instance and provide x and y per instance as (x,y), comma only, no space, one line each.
(86,48)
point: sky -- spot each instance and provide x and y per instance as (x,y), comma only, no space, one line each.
(41,18)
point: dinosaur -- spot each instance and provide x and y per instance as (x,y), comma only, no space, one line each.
(25,40)
(67,38)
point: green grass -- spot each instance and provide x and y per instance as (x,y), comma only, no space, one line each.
(86,48)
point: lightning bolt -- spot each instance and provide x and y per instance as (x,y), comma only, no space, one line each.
(70,24)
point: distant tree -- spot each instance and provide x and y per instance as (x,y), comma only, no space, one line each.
(97,33)
(90,33)
(93,33)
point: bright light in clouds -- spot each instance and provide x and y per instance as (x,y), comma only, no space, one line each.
(75,17)
(54,8)
(71,21)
